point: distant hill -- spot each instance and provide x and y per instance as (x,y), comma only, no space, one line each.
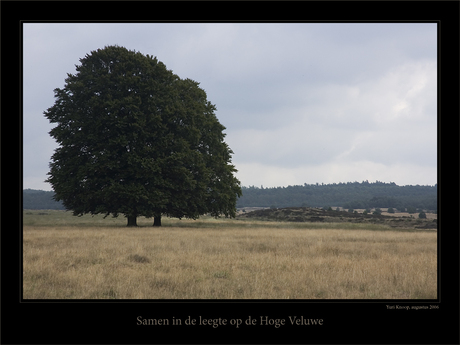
(347,195)
(33,199)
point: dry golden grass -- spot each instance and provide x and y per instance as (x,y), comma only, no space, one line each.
(226,260)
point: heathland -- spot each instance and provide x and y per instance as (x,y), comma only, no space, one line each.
(89,257)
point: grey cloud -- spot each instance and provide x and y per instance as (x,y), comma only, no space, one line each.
(303,99)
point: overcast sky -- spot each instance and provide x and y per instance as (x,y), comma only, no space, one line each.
(302,103)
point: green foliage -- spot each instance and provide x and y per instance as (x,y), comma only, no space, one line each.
(137,140)
(39,200)
(422,215)
(411,209)
(348,195)
(390,210)
(377,212)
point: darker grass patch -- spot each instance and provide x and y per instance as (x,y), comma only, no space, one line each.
(221,274)
(260,248)
(139,259)
(110,294)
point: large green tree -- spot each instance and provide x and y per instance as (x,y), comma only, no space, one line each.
(135,139)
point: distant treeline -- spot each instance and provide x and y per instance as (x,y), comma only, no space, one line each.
(33,199)
(347,195)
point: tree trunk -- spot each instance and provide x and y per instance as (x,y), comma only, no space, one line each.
(157,221)
(132,221)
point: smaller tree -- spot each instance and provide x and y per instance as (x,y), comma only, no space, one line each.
(377,212)
(391,210)
(422,215)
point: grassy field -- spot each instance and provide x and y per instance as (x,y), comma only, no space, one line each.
(95,258)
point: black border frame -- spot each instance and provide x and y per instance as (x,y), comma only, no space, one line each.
(345,321)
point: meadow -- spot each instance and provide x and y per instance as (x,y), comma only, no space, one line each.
(67,257)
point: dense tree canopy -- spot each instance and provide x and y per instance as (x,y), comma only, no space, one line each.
(349,195)
(39,200)
(137,140)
